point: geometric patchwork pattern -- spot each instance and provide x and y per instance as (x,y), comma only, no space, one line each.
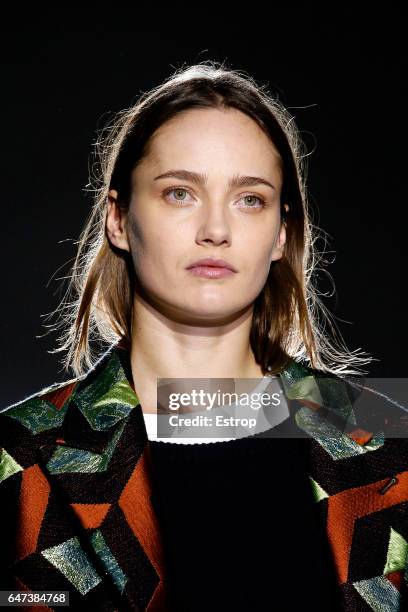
(75,478)
(91,515)
(360,486)
(368,534)
(397,554)
(70,559)
(37,415)
(108,559)
(318,492)
(75,473)
(67,460)
(379,593)
(367,529)
(8,465)
(107,400)
(338,447)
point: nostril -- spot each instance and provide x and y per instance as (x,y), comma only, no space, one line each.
(389,484)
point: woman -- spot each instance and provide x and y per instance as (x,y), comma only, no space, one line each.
(205,166)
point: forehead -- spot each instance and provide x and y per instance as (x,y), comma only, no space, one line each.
(213,141)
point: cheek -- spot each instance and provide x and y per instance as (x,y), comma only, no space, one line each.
(142,232)
(257,265)
(157,253)
(260,250)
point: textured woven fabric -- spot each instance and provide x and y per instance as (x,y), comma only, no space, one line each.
(75,487)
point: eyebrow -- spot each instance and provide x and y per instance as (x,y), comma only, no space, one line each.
(201,179)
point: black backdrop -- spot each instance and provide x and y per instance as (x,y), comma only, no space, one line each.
(343,80)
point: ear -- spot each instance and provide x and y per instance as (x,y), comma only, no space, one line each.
(116,222)
(281,240)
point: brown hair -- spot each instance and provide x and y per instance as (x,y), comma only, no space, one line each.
(288,317)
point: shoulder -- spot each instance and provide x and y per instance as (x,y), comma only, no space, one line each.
(40,414)
(26,425)
(23,421)
(353,410)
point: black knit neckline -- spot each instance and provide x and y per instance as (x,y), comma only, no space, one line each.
(209,451)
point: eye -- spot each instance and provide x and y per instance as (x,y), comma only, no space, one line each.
(253,198)
(178,191)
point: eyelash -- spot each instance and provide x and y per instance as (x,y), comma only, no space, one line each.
(180,203)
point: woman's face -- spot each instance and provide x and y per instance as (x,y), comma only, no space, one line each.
(176,220)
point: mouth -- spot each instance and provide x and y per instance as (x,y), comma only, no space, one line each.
(212,262)
(206,271)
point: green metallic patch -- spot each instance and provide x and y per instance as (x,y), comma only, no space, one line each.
(293,372)
(303,388)
(109,398)
(68,460)
(318,492)
(70,559)
(112,407)
(108,559)
(37,414)
(328,392)
(379,593)
(334,441)
(8,465)
(336,399)
(397,553)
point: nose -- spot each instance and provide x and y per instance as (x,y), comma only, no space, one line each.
(214,225)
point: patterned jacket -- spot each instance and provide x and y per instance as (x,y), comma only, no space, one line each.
(75,487)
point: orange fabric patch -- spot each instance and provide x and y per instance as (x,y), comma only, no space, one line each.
(137,508)
(361,436)
(346,507)
(33,503)
(396,578)
(91,515)
(313,405)
(60,396)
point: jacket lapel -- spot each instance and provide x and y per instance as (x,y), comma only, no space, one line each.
(99,466)
(360,483)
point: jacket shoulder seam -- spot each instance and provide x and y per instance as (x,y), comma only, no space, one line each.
(56,386)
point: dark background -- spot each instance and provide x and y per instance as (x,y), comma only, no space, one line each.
(342,79)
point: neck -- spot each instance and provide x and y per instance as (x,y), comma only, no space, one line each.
(165,347)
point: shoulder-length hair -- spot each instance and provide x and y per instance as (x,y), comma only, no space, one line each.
(289,319)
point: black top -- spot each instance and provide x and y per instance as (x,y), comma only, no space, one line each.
(240,526)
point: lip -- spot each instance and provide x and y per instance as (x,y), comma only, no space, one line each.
(210,262)
(210,271)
